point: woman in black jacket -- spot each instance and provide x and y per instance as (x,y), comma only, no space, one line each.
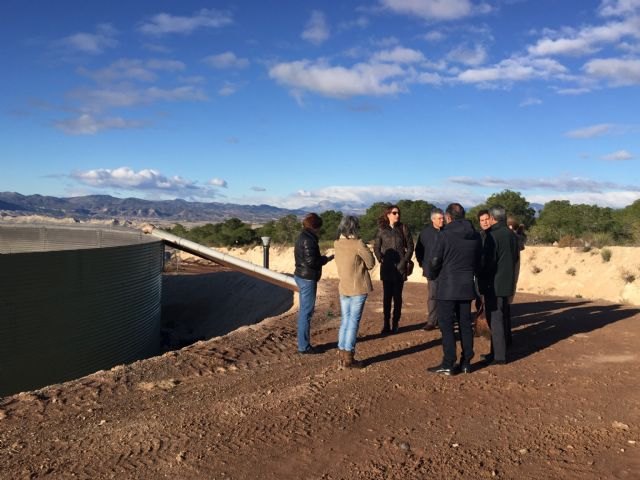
(308,270)
(393,248)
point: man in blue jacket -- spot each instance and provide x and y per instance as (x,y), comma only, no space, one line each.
(454,263)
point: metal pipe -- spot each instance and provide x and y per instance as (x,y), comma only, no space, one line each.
(234,263)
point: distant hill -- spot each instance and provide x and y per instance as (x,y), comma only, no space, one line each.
(105,207)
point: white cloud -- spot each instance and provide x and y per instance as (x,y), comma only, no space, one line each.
(590,131)
(613,199)
(316,31)
(125,177)
(434,36)
(429,78)
(587,40)
(226,60)
(531,101)
(91,43)
(132,69)
(87,124)
(619,72)
(164,23)
(147,182)
(618,156)
(227,89)
(399,55)
(127,96)
(573,91)
(513,70)
(435,9)
(361,197)
(340,82)
(556,184)
(473,56)
(218,182)
(258,189)
(618,7)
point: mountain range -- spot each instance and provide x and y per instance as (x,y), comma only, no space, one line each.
(106,207)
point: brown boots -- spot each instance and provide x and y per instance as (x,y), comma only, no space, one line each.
(346,360)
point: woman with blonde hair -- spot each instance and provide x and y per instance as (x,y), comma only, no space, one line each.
(393,248)
(353,262)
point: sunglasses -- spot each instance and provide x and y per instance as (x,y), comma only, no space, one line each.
(395,213)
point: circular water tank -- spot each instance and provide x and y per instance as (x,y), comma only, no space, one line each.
(74,300)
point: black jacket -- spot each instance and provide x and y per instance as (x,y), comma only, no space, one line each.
(424,249)
(499,255)
(393,247)
(455,260)
(309,262)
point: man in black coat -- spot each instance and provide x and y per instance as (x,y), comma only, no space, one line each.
(424,252)
(455,260)
(497,281)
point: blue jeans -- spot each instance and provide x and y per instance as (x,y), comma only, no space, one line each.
(351,308)
(307,298)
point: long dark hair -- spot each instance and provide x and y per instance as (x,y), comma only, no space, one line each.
(383,220)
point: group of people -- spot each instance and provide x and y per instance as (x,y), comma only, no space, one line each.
(461,264)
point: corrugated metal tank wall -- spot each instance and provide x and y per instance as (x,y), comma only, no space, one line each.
(74,301)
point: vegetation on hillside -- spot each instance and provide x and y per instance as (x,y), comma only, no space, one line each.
(559,221)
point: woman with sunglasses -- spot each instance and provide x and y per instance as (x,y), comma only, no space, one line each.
(393,248)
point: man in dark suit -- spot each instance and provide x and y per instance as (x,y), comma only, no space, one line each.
(497,282)
(424,249)
(454,262)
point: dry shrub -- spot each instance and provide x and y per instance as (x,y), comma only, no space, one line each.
(569,241)
(571,271)
(605,253)
(627,276)
(535,269)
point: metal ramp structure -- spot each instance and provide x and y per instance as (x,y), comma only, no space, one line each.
(230,261)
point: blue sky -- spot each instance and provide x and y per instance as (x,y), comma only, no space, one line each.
(306,103)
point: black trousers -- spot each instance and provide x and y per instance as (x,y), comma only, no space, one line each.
(392,286)
(432,304)
(450,312)
(498,316)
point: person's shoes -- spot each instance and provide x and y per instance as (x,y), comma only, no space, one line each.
(351,362)
(310,350)
(394,329)
(487,357)
(428,327)
(464,368)
(442,370)
(385,331)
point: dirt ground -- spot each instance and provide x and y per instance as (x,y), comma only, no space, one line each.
(247,406)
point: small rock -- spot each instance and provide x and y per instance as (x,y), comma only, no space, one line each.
(181,456)
(102,422)
(455,445)
(523,451)
(405,446)
(631,442)
(620,425)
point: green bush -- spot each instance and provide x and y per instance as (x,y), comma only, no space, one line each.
(605,253)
